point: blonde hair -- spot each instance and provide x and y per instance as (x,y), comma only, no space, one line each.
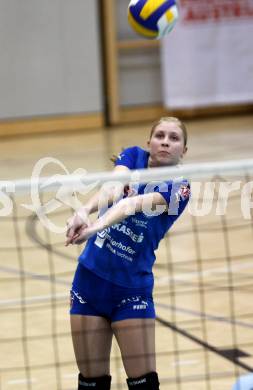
(173,120)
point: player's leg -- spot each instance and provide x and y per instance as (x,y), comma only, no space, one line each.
(92,339)
(136,339)
(91,331)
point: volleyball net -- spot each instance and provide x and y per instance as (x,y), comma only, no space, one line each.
(203,280)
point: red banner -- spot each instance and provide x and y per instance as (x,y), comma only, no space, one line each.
(215,10)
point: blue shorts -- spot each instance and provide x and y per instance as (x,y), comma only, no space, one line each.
(93,296)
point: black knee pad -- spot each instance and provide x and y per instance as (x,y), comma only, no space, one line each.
(146,382)
(100,383)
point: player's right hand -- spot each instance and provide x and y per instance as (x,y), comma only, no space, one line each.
(76,226)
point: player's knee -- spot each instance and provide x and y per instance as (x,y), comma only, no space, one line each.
(146,382)
(100,383)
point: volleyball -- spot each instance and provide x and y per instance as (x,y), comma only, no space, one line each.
(152,18)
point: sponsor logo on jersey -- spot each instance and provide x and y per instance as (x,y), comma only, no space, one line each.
(128,232)
(183,192)
(101,236)
(105,234)
(140,222)
(138,302)
(137,382)
(139,307)
(73,295)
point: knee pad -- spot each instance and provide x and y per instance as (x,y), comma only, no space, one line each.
(146,382)
(99,383)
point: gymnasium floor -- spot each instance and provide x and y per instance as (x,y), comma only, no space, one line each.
(203,273)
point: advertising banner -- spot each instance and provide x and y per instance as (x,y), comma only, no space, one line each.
(207,60)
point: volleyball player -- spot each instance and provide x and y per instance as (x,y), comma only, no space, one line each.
(113,283)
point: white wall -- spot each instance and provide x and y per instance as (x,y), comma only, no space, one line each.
(50,57)
(139,70)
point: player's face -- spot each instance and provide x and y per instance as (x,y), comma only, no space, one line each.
(166,145)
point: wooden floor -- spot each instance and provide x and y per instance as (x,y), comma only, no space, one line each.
(203,273)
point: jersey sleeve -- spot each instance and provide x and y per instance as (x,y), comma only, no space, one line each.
(179,197)
(127,158)
(175,192)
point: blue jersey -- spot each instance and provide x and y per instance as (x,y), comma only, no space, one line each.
(124,252)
